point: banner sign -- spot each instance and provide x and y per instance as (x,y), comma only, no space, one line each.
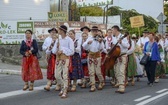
(137,21)
(58,16)
(8,33)
(41,28)
(23,26)
(13,32)
(84,3)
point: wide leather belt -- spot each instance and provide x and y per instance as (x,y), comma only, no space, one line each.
(94,55)
(62,57)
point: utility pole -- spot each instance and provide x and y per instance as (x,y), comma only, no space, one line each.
(105,14)
(70,10)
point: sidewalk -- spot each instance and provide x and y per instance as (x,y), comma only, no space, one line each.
(13,69)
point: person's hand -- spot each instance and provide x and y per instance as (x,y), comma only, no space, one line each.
(120,41)
(50,48)
(90,42)
(100,40)
(30,52)
(158,62)
(147,53)
(142,45)
(59,52)
(26,54)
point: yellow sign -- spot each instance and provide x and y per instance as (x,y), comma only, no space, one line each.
(137,21)
(58,16)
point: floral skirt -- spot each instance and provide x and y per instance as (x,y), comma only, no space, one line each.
(166,62)
(77,70)
(160,70)
(132,66)
(51,67)
(30,69)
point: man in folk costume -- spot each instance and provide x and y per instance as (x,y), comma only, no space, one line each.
(142,40)
(63,48)
(103,55)
(108,45)
(51,58)
(94,45)
(121,62)
(132,66)
(85,30)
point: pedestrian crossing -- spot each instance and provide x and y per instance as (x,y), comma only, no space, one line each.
(148,98)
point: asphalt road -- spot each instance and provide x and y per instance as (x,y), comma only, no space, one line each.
(140,94)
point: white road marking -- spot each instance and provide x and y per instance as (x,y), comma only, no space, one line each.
(153,98)
(142,98)
(161,91)
(19,92)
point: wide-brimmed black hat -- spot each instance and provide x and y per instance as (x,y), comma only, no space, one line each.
(63,27)
(94,28)
(53,29)
(85,27)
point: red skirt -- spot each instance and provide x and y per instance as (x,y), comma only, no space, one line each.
(51,67)
(103,55)
(30,69)
(85,71)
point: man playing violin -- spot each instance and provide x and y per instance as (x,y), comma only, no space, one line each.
(94,45)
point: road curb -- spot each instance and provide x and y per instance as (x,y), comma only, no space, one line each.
(6,71)
(15,72)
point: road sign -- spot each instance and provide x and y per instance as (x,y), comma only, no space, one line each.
(161,17)
(162,28)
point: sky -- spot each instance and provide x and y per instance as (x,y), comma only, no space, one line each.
(148,7)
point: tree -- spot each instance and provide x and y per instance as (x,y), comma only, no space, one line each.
(77,11)
(150,23)
(166,11)
(91,11)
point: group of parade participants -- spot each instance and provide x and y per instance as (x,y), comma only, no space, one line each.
(89,60)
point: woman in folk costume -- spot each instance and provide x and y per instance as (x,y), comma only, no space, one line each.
(160,67)
(138,52)
(30,66)
(141,42)
(85,30)
(108,45)
(166,52)
(51,58)
(132,66)
(84,55)
(76,71)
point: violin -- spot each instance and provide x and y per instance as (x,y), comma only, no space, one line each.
(98,38)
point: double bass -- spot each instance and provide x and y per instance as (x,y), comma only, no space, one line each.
(112,55)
